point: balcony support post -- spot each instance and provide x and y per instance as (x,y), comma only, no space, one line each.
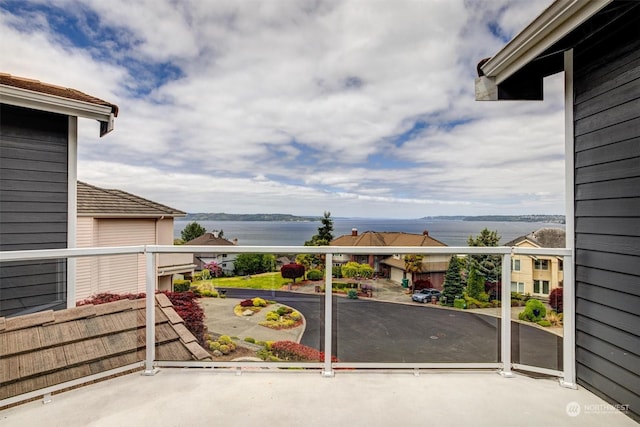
(150,328)
(327,370)
(505,330)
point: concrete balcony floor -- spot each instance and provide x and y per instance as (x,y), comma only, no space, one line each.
(204,397)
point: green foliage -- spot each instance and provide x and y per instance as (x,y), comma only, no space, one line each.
(205,274)
(475,283)
(353,269)
(180,285)
(534,311)
(325,232)
(487,266)
(259,302)
(191,231)
(477,303)
(254,264)
(314,274)
(460,303)
(352,294)
(272,315)
(452,288)
(544,322)
(307,260)
(413,263)
(224,339)
(295,315)
(284,310)
(336,271)
(250,340)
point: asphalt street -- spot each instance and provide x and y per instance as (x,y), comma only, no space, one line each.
(374,331)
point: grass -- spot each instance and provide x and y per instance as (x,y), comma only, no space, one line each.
(256,281)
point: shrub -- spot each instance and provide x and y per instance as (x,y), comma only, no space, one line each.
(225,349)
(224,339)
(289,350)
(295,316)
(273,316)
(554,318)
(534,311)
(259,302)
(181,285)
(205,274)
(246,303)
(339,285)
(544,322)
(459,303)
(214,345)
(207,293)
(283,310)
(555,300)
(250,340)
(352,294)
(314,274)
(292,271)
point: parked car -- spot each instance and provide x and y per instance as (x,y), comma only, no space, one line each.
(424,295)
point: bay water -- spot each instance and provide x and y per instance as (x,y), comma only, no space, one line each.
(293,233)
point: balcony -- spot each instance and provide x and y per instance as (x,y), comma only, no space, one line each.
(384,360)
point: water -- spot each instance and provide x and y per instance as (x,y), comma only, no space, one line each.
(284,233)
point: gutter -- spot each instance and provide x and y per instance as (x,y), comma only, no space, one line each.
(554,23)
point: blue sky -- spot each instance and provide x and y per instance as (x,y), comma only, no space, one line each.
(362,108)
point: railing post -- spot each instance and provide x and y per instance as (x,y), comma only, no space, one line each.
(150,328)
(327,371)
(505,304)
(569,327)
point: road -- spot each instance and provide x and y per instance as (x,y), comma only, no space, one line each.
(375,331)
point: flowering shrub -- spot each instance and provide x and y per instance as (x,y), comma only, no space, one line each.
(214,269)
(289,350)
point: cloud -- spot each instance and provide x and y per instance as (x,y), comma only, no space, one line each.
(298,106)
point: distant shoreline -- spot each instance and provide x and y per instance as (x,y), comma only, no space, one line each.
(552,219)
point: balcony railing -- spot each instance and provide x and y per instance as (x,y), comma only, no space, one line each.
(327,338)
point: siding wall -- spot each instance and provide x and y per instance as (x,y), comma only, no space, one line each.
(33,207)
(607,214)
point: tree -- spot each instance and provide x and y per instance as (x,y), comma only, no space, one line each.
(413,264)
(487,266)
(305,259)
(475,284)
(325,232)
(254,263)
(292,271)
(191,231)
(214,269)
(452,281)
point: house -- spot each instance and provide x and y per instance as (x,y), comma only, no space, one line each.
(393,267)
(52,347)
(116,218)
(38,156)
(538,275)
(597,45)
(225,260)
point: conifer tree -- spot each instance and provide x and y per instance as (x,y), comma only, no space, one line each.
(452,281)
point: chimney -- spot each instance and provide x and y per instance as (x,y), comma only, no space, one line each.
(235,241)
(354,232)
(425,233)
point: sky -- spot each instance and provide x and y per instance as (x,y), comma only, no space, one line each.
(363,108)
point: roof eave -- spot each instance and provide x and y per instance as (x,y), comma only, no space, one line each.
(549,27)
(129,215)
(56,104)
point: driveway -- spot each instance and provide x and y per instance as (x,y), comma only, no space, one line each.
(374,331)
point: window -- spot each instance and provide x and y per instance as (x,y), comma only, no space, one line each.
(541,287)
(516,265)
(541,264)
(517,287)
(560,265)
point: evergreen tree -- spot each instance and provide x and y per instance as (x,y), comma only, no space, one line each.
(475,284)
(191,231)
(487,266)
(452,281)
(325,232)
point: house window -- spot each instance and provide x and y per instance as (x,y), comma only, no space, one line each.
(516,265)
(560,265)
(541,264)
(517,287)
(541,287)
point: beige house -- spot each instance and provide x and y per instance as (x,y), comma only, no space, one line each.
(433,268)
(117,218)
(538,275)
(226,261)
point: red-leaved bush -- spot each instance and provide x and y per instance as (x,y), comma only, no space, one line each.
(555,300)
(184,303)
(289,350)
(292,271)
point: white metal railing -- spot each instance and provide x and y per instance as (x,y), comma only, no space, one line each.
(505,365)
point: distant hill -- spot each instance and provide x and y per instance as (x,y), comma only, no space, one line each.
(555,219)
(245,217)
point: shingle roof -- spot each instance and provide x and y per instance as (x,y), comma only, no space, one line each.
(209,239)
(544,238)
(51,347)
(427,266)
(94,200)
(373,238)
(49,89)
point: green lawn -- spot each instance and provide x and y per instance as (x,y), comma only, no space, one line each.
(257,281)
